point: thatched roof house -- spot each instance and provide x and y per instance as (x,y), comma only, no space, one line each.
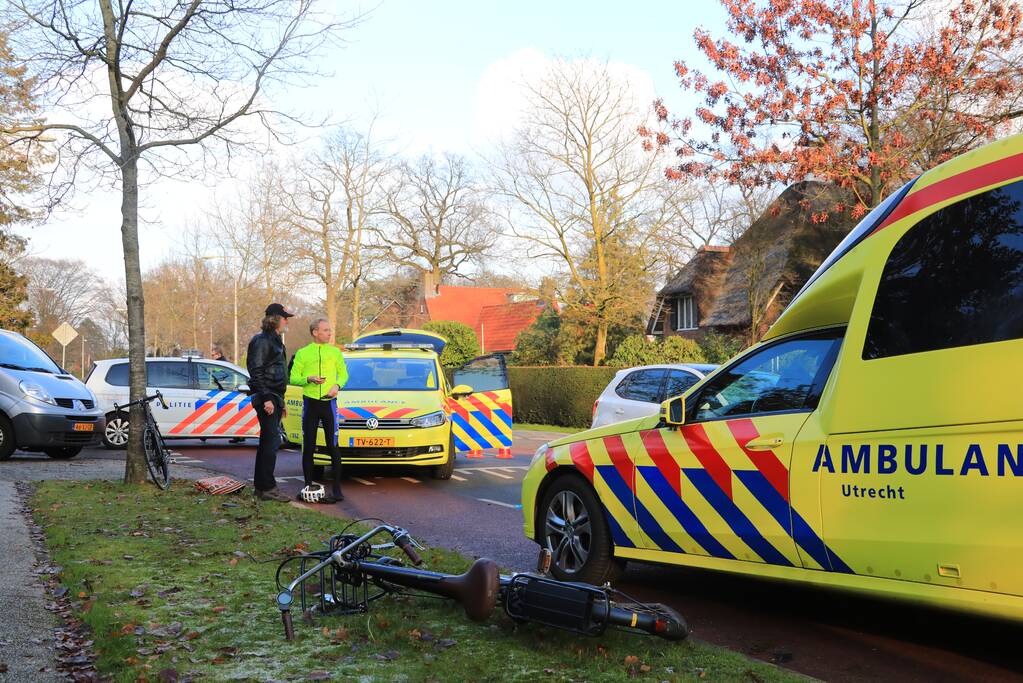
(745,287)
(690,294)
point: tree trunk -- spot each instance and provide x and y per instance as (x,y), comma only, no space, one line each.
(600,347)
(330,300)
(135,467)
(356,305)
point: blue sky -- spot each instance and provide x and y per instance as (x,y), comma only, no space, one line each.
(437,72)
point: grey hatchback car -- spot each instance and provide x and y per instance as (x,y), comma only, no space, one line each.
(42,407)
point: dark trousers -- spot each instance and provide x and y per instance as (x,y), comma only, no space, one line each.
(269,443)
(316,412)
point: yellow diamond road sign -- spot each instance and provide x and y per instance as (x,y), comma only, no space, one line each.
(65,334)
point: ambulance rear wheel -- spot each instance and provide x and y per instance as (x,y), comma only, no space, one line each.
(445,470)
(572,525)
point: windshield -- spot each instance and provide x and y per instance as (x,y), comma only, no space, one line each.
(862,230)
(18,353)
(391,374)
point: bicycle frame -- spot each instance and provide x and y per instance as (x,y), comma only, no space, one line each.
(353,567)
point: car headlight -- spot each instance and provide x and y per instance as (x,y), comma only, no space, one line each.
(431,420)
(541,452)
(33,390)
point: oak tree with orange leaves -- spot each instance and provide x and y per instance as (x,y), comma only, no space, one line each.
(862,93)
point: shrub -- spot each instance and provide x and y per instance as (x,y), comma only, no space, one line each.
(538,343)
(462,346)
(719,348)
(557,395)
(636,350)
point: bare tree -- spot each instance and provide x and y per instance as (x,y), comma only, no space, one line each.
(582,191)
(323,245)
(254,240)
(438,217)
(361,169)
(172,74)
(706,213)
(61,290)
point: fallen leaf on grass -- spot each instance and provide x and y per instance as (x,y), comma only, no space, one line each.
(631,659)
(445,643)
(645,668)
(388,656)
(318,676)
(219,608)
(167,676)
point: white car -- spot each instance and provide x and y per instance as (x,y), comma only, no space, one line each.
(638,392)
(206,398)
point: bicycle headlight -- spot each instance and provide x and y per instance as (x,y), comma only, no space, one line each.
(33,390)
(430,420)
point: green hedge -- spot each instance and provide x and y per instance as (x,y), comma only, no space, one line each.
(557,395)
(554,395)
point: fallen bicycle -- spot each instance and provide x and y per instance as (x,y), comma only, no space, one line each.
(352,573)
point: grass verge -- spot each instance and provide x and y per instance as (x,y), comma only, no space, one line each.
(546,428)
(177,582)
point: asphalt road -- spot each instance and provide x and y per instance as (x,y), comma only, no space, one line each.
(829,635)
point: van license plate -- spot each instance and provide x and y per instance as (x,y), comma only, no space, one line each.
(373,442)
(84,426)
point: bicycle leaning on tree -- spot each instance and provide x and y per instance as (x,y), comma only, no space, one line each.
(157,455)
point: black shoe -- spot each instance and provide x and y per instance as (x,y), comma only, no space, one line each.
(274,495)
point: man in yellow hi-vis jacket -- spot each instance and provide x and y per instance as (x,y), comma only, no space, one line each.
(319,369)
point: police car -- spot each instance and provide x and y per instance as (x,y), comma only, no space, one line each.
(873,441)
(206,398)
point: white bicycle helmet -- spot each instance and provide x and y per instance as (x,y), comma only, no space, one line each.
(313,493)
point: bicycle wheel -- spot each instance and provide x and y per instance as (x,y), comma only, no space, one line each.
(157,456)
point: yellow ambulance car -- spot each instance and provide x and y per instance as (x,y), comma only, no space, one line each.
(872,441)
(397,407)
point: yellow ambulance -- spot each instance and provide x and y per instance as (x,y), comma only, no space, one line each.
(872,441)
(397,407)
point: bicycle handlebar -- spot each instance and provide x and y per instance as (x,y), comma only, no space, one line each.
(155,397)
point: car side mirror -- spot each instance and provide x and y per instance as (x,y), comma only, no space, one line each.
(461,390)
(673,411)
(244,388)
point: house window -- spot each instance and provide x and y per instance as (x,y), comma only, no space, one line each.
(685,313)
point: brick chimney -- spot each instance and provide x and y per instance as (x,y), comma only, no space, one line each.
(430,286)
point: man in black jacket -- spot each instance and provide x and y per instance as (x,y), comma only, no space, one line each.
(268,378)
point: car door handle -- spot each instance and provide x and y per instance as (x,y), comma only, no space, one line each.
(764,443)
(619,411)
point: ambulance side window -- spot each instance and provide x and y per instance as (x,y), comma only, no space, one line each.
(954,279)
(783,377)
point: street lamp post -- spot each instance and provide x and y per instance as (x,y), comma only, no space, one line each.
(235,356)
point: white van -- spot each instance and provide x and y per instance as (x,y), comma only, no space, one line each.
(206,398)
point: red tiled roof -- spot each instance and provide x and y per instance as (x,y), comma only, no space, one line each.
(715,247)
(499,325)
(463,304)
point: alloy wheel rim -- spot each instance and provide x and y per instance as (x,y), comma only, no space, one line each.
(117,431)
(569,534)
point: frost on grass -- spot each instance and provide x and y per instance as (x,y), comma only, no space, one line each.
(178,581)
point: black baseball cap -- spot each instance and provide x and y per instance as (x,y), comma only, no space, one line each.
(277,309)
